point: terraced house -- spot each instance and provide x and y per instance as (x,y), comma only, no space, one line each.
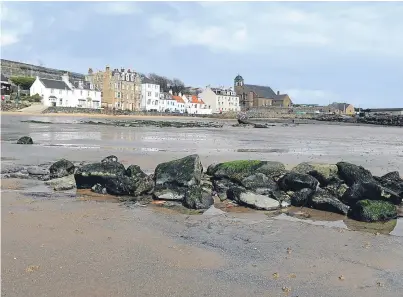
(220,100)
(121,89)
(259,96)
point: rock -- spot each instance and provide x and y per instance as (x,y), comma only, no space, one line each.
(251,199)
(25,140)
(392,181)
(169,194)
(352,174)
(337,188)
(212,211)
(260,126)
(196,198)
(35,170)
(238,170)
(373,211)
(99,189)
(294,181)
(63,183)
(369,190)
(324,173)
(97,173)
(221,186)
(260,184)
(109,159)
(61,168)
(322,200)
(179,173)
(142,183)
(301,198)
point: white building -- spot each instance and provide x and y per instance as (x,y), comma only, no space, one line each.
(167,103)
(180,105)
(66,93)
(220,100)
(150,95)
(195,105)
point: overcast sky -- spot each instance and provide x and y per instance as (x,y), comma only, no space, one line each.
(315,52)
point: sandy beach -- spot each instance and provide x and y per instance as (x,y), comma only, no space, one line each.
(75,244)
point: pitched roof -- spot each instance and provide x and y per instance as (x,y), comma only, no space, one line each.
(54,84)
(339,106)
(280,97)
(178,99)
(196,100)
(261,91)
(146,80)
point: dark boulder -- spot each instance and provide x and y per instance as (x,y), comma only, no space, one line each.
(294,181)
(260,184)
(25,140)
(120,186)
(352,174)
(323,200)
(221,186)
(61,168)
(183,172)
(197,198)
(373,211)
(336,187)
(260,126)
(109,159)
(301,198)
(392,181)
(238,170)
(369,190)
(324,173)
(97,173)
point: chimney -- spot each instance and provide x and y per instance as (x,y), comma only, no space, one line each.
(107,68)
(65,77)
(122,70)
(278,92)
(90,71)
(180,94)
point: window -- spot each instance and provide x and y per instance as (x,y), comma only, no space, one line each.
(156,94)
(149,94)
(148,101)
(116,85)
(156,102)
(116,94)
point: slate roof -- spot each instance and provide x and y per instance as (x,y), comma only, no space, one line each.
(261,91)
(339,106)
(54,84)
(146,80)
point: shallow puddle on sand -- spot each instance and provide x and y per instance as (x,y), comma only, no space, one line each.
(88,195)
(328,219)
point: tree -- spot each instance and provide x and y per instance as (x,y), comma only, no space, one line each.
(24,82)
(161,80)
(177,86)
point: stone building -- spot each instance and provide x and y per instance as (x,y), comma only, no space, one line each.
(341,108)
(121,89)
(13,68)
(259,96)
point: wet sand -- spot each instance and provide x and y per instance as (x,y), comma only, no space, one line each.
(63,245)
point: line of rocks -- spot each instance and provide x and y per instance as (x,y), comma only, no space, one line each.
(342,188)
(383,120)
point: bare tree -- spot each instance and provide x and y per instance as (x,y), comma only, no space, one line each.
(161,80)
(177,85)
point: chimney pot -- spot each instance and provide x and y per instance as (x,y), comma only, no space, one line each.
(278,92)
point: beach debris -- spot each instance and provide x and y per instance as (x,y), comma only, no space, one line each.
(31,268)
(276,275)
(286,289)
(341,277)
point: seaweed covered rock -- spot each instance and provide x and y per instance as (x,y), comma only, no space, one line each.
(294,181)
(337,188)
(392,181)
(197,198)
(97,173)
(221,186)
(301,198)
(238,170)
(322,200)
(109,159)
(324,173)
(174,177)
(370,190)
(352,174)
(61,168)
(25,140)
(373,211)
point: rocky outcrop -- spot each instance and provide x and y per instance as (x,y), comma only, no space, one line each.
(25,140)
(373,211)
(197,198)
(61,168)
(63,183)
(294,181)
(98,173)
(323,200)
(324,173)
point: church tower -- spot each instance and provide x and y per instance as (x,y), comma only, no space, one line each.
(238,81)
